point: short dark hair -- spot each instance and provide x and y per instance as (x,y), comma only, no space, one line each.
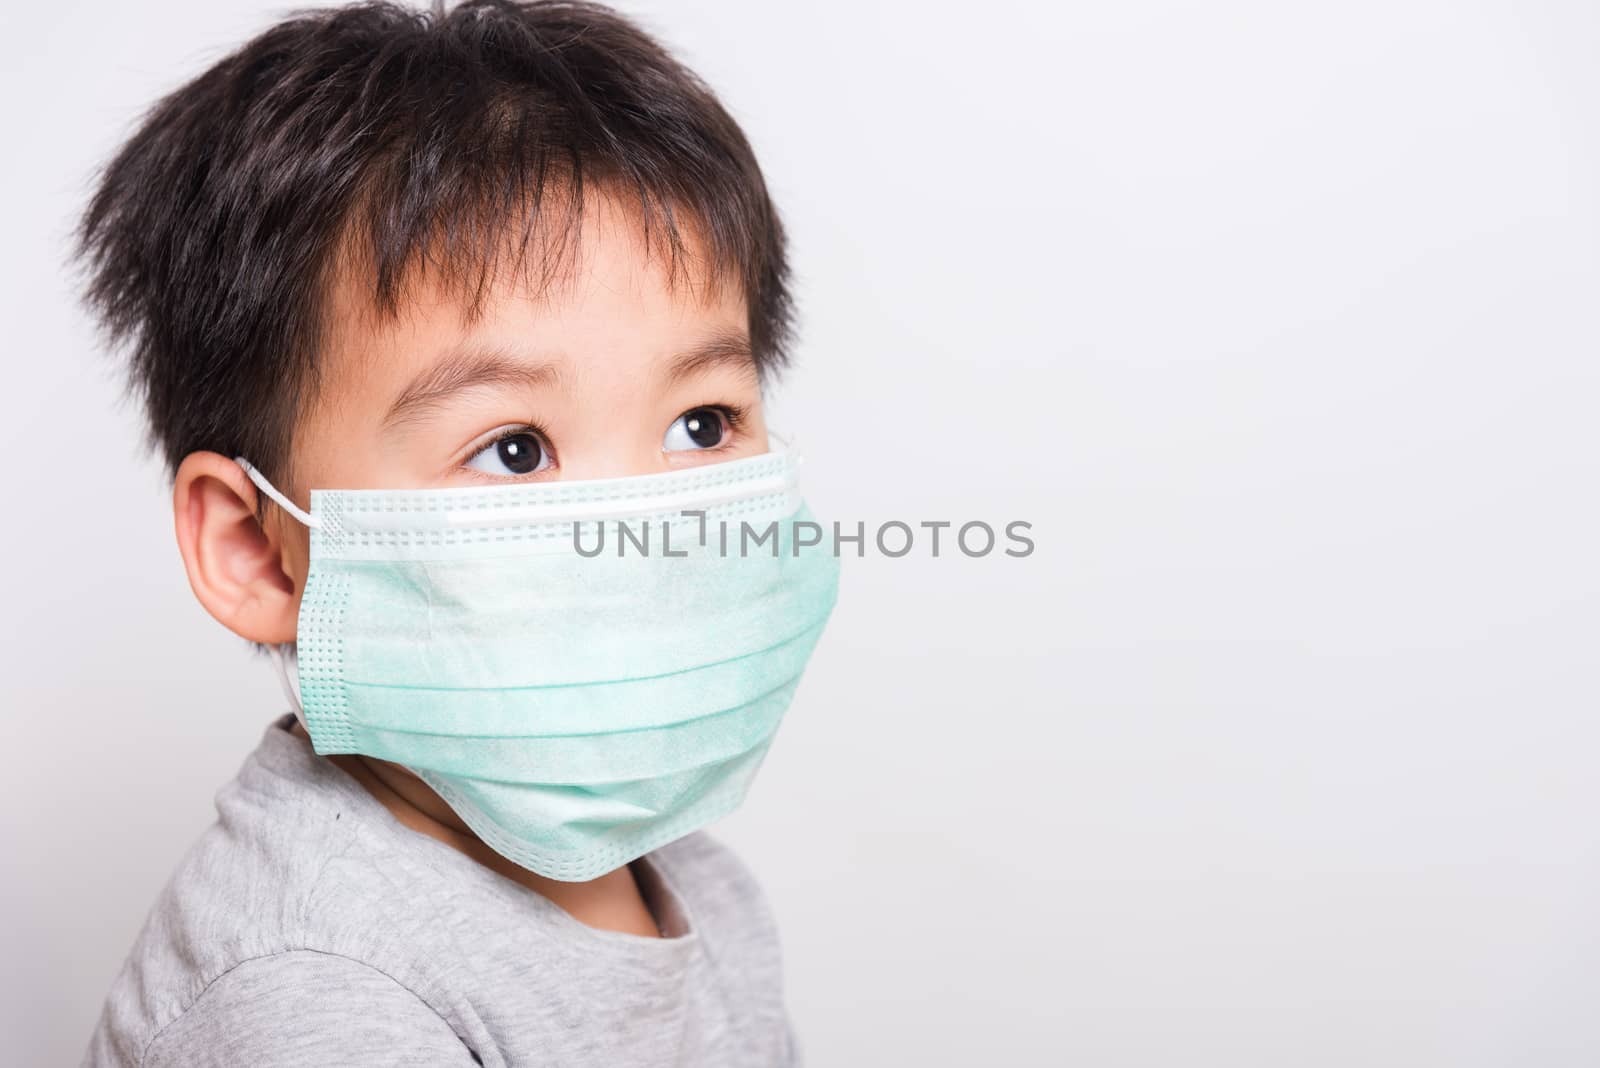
(412,137)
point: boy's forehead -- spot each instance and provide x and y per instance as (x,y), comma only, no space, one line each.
(605,301)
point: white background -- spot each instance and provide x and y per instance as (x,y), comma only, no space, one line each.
(1279,323)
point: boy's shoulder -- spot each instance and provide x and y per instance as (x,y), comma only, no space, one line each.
(267,922)
(290,1007)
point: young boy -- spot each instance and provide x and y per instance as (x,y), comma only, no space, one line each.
(465,281)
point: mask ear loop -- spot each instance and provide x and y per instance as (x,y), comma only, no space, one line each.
(306,518)
(787,444)
(281,656)
(288,674)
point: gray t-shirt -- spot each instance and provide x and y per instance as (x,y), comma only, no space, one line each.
(307,926)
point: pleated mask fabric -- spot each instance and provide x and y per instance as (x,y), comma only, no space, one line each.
(578,697)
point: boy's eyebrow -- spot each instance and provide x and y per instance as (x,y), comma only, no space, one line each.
(462,368)
(724,348)
(467,366)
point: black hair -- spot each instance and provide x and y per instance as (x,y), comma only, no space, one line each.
(393,137)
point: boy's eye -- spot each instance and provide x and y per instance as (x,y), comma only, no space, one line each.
(518,453)
(697,428)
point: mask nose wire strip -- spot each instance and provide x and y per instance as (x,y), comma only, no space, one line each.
(272,491)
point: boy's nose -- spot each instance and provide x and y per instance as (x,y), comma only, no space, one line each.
(614,458)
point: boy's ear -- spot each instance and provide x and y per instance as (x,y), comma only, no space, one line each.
(239,571)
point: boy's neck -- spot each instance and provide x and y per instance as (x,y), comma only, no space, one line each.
(612,902)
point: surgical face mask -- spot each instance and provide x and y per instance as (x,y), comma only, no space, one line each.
(575,708)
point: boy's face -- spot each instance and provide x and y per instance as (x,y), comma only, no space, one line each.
(611,372)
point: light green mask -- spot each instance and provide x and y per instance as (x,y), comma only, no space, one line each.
(575,708)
